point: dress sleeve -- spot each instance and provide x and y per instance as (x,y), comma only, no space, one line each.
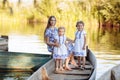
(65,37)
(56,38)
(75,33)
(84,33)
(47,33)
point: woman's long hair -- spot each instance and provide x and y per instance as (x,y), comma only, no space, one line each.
(48,25)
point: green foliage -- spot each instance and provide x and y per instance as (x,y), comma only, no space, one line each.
(108,10)
(93,12)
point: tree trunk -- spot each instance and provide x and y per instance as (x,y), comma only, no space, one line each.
(19,2)
(4,3)
(98,27)
(35,3)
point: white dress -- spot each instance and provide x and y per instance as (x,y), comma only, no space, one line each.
(79,42)
(61,51)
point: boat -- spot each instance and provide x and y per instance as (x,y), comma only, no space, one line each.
(20,63)
(3,43)
(76,74)
(112,74)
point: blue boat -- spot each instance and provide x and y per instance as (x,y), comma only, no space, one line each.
(3,43)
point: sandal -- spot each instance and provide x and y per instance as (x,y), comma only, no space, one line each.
(82,68)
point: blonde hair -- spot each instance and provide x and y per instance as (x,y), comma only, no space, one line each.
(61,28)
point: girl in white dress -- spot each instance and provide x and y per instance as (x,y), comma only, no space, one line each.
(60,52)
(80,44)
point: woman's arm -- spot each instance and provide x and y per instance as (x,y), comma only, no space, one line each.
(48,43)
(74,40)
(68,39)
(56,43)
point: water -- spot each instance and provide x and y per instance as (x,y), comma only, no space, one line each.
(15,76)
(23,43)
(26,43)
(32,44)
(29,39)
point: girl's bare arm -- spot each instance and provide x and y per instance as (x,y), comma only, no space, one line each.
(74,40)
(84,42)
(66,44)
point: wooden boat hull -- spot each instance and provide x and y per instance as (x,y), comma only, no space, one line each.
(50,66)
(112,74)
(17,61)
(4,43)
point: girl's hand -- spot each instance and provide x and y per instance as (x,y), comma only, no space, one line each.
(83,48)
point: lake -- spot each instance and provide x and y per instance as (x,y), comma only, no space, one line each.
(29,39)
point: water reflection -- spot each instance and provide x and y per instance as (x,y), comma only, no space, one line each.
(33,44)
(29,39)
(27,43)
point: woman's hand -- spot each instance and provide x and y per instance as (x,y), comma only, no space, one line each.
(72,41)
(57,44)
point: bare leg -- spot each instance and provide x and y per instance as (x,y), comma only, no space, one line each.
(56,64)
(83,64)
(66,64)
(84,60)
(61,65)
(73,60)
(79,60)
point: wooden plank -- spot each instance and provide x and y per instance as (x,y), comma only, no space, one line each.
(87,67)
(86,63)
(76,72)
(67,77)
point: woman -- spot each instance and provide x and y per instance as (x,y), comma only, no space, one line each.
(50,32)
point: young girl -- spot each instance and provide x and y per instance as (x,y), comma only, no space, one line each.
(80,43)
(60,52)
